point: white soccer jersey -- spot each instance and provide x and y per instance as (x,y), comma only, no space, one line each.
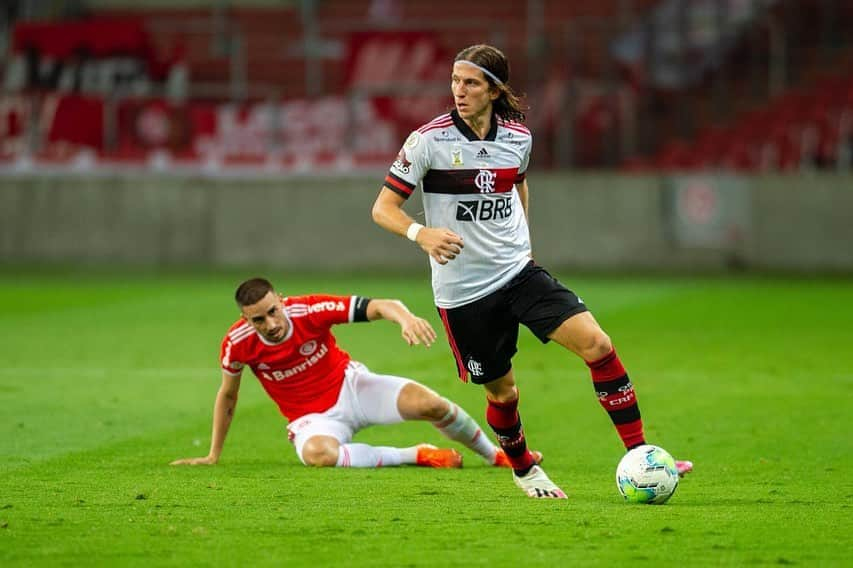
(467,186)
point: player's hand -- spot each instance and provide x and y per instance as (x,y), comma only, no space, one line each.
(441,244)
(416,331)
(206,460)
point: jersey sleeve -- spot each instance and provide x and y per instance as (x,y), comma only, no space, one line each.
(324,311)
(410,167)
(228,358)
(525,160)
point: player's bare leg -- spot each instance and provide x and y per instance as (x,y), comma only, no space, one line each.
(582,335)
(321,451)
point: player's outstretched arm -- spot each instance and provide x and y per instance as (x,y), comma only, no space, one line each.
(223,413)
(440,243)
(523,195)
(414,330)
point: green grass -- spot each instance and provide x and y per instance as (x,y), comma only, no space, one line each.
(105,378)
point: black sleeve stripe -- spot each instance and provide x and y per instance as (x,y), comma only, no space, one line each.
(400,182)
(398,191)
(399,185)
(360,311)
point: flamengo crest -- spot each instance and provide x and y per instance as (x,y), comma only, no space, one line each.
(485,181)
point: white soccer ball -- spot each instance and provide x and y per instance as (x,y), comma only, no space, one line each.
(647,474)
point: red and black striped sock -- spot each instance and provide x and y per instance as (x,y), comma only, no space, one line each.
(504,420)
(616,395)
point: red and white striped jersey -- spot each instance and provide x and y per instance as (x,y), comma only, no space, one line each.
(468,187)
(304,372)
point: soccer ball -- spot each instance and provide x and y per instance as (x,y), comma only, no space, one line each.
(647,474)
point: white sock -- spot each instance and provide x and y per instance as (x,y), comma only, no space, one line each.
(459,426)
(362,455)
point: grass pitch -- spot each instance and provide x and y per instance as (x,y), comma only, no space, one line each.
(105,378)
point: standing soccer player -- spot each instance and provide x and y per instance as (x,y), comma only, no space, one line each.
(472,165)
(325,395)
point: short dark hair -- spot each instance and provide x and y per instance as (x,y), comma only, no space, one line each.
(508,105)
(252,291)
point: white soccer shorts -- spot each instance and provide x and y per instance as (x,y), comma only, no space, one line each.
(366,399)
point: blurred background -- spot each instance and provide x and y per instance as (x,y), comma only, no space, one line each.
(685,134)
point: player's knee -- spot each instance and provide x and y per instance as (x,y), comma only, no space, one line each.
(597,346)
(502,389)
(416,402)
(434,408)
(319,453)
(503,394)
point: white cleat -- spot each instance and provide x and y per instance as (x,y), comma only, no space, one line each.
(537,485)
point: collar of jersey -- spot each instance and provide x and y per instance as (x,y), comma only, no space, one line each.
(469,134)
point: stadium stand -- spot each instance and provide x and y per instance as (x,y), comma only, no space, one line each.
(806,125)
(240,84)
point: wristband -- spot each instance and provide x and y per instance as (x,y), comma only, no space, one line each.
(413,230)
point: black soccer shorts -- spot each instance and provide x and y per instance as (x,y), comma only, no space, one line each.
(483,334)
